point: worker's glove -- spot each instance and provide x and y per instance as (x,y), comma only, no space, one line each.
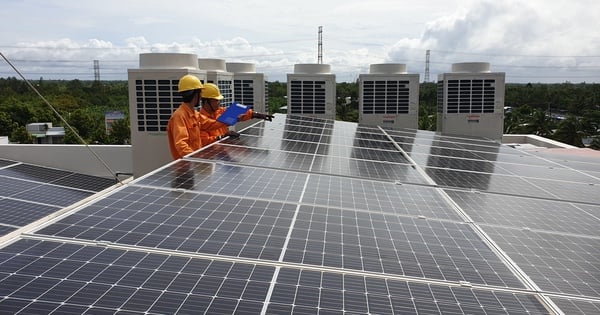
(232,134)
(262,116)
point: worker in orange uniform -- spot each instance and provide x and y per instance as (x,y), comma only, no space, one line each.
(211,129)
(182,130)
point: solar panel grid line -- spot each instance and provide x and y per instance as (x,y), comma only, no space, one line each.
(297,291)
(334,150)
(155,270)
(283,251)
(533,214)
(293,161)
(558,262)
(456,273)
(7,163)
(353,237)
(378,197)
(38,184)
(101,246)
(561,164)
(56,177)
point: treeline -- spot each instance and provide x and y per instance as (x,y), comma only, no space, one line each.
(566,112)
(81,104)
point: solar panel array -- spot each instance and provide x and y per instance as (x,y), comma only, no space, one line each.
(30,192)
(311,216)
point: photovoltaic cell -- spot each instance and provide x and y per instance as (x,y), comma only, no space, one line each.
(522,212)
(263,183)
(85,182)
(40,193)
(311,292)
(53,195)
(44,175)
(257,157)
(575,306)
(48,277)
(4,163)
(394,245)
(20,213)
(486,182)
(33,173)
(6,229)
(573,191)
(351,225)
(367,169)
(548,172)
(182,221)
(377,196)
(464,164)
(555,262)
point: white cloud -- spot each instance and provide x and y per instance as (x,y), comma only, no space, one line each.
(530,41)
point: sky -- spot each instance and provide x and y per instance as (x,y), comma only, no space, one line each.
(531,41)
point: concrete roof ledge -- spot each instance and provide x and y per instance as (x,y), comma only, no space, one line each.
(534,140)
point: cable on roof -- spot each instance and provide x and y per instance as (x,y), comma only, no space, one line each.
(115,175)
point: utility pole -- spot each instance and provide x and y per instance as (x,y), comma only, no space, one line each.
(320,47)
(426,66)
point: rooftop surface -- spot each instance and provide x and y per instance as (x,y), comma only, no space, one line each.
(312,216)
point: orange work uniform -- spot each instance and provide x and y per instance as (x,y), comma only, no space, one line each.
(211,129)
(183,132)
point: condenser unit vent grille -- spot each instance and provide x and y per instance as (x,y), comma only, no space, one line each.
(155,102)
(386,97)
(440,96)
(307,97)
(471,96)
(266,100)
(225,88)
(244,91)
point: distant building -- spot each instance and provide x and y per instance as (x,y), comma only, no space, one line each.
(110,118)
(44,133)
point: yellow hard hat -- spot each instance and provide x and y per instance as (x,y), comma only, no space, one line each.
(211,90)
(189,82)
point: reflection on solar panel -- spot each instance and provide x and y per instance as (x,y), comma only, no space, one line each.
(313,216)
(30,192)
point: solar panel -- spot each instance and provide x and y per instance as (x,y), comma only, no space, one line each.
(313,216)
(556,262)
(522,212)
(43,276)
(4,163)
(29,192)
(233,180)
(20,213)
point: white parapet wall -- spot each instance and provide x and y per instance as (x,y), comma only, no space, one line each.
(534,141)
(74,158)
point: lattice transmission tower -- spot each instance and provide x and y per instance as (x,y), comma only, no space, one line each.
(426,66)
(320,46)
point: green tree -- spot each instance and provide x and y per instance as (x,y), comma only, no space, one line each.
(540,124)
(120,132)
(595,143)
(277,96)
(84,123)
(71,136)
(569,131)
(20,135)
(6,124)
